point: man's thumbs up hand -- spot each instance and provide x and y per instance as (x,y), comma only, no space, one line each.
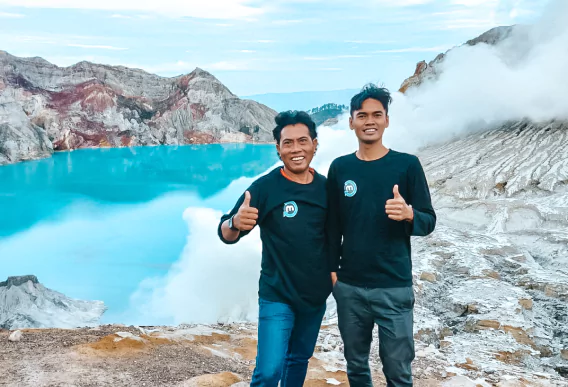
(396,193)
(246,202)
(247,216)
(397,209)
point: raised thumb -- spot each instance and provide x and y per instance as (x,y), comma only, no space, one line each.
(246,202)
(395,191)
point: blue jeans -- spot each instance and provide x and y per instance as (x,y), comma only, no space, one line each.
(286,342)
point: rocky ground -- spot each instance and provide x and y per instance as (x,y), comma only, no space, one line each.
(112,355)
(221,355)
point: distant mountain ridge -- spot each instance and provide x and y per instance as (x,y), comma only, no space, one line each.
(45,108)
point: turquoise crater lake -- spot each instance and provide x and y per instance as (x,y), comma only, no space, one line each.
(93,223)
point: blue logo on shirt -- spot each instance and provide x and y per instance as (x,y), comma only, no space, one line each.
(290,209)
(350,188)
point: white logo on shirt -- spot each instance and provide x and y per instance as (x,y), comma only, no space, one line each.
(350,188)
(290,209)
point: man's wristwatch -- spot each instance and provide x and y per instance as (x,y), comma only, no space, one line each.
(231,225)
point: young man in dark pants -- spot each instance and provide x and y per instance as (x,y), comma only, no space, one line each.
(378,198)
(289,205)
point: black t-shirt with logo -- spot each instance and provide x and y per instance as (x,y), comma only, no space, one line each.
(367,249)
(292,217)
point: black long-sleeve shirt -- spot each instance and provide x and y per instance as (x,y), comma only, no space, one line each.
(292,219)
(375,251)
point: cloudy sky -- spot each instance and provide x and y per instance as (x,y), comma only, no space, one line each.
(256,46)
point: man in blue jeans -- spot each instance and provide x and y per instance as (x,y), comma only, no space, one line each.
(289,204)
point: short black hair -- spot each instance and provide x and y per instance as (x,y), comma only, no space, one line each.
(371,91)
(293,117)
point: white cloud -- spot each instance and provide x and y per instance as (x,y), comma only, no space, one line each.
(388,51)
(414,49)
(517,12)
(212,282)
(468,24)
(227,66)
(122,16)
(96,46)
(475,3)
(211,9)
(324,58)
(370,41)
(183,67)
(401,3)
(9,15)
(28,38)
(286,22)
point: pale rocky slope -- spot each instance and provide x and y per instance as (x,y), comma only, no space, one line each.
(26,303)
(45,108)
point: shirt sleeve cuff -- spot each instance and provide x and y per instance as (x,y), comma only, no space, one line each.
(409,226)
(220,231)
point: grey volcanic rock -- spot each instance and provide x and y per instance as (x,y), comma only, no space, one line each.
(20,139)
(515,158)
(25,303)
(500,250)
(20,280)
(493,36)
(15,336)
(44,108)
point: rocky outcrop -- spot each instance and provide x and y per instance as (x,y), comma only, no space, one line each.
(45,108)
(513,159)
(20,139)
(18,281)
(26,303)
(425,71)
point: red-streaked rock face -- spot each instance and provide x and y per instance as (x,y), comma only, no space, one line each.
(91,105)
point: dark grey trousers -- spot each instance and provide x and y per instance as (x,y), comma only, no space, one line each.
(358,310)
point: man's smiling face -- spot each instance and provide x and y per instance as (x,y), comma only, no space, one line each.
(369,122)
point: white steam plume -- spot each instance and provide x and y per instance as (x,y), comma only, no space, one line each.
(523,77)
